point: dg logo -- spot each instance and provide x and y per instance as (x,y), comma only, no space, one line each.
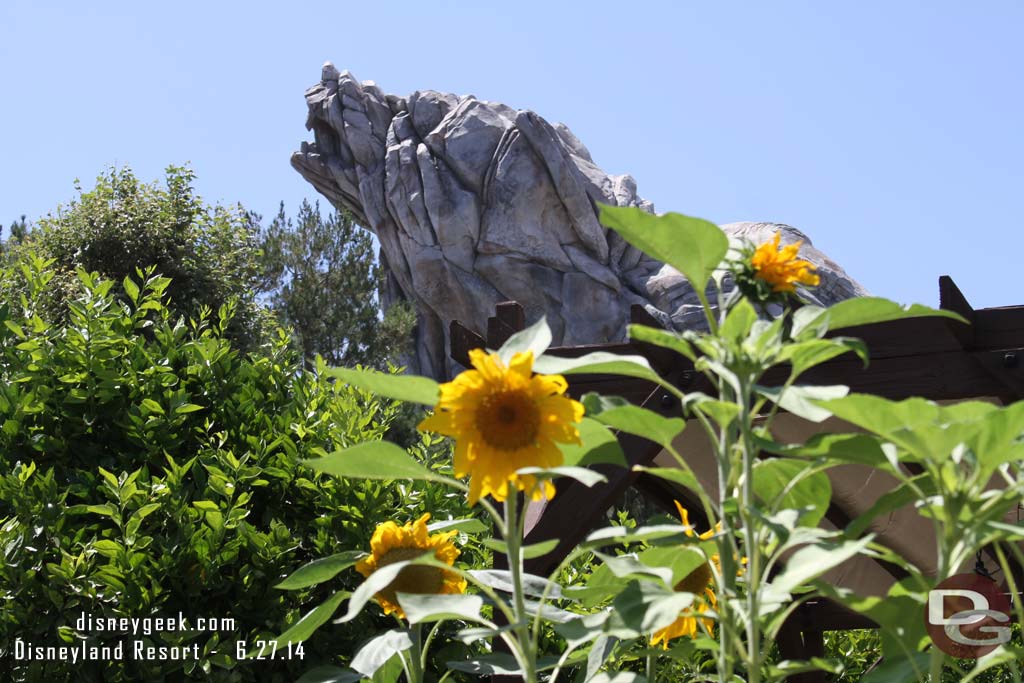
(968,616)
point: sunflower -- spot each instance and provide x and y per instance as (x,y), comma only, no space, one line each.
(780,268)
(697,582)
(504,419)
(392,543)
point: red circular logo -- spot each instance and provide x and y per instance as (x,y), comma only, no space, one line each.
(968,616)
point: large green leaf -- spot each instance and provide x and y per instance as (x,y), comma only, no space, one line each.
(680,561)
(373,460)
(618,677)
(1004,654)
(426,608)
(803,400)
(631,567)
(312,620)
(620,535)
(469,525)
(497,664)
(722,412)
(632,419)
(376,582)
(330,674)
(812,561)
(528,552)
(379,650)
(774,478)
(600,649)
(535,338)
(921,427)
(581,474)
(390,672)
(501,579)
(475,633)
(932,432)
(597,363)
(861,449)
(692,246)
(997,438)
(882,416)
(863,310)
(672,474)
(807,354)
(597,446)
(644,607)
(738,321)
(664,338)
(321,570)
(410,388)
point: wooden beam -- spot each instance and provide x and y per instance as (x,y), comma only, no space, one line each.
(508,319)
(1006,368)
(945,375)
(462,340)
(999,328)
(952,299)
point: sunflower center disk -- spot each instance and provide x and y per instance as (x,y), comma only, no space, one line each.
(508,420)
(412,579)
(696,581)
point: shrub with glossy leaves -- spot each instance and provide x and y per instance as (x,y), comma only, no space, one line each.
(148,467)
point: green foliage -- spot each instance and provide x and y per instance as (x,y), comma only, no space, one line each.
(149,468)
(322,281)
(210,253)
(18,230)
(720,599)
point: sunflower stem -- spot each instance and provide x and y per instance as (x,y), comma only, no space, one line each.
(725,542)
(513,544)
(414,670)
(748,453)
(426,643)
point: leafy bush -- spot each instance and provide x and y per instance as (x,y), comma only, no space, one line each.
(210,252)
(150,468)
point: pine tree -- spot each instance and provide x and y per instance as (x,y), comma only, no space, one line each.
(321,279)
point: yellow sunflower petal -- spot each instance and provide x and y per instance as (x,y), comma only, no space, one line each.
(503,419)
(392,543)
(490,367)
(780,267)
(440,422)
(521,365)
(684,515)
(542,386)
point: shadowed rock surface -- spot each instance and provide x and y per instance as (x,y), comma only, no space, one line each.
(475,203)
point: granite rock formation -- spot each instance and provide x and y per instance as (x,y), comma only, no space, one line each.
(475,203)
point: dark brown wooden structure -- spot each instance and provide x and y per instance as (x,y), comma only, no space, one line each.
(935,358)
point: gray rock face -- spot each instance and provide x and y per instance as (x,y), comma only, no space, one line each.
(475,203)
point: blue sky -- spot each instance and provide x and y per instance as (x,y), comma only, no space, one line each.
(890,132)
